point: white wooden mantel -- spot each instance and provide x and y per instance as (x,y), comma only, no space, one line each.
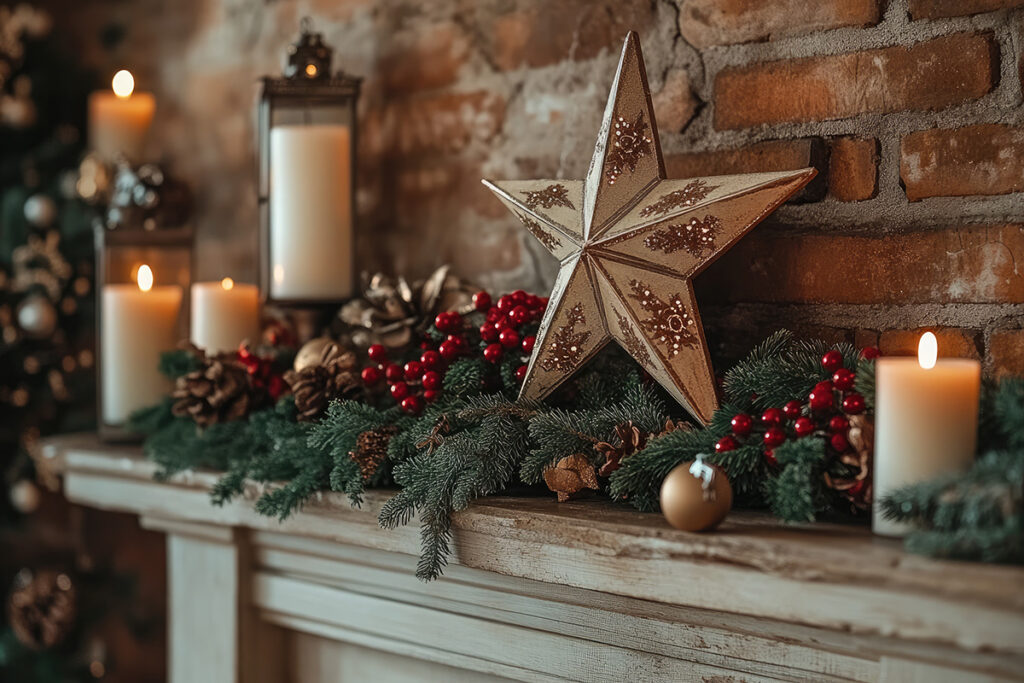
(541,591)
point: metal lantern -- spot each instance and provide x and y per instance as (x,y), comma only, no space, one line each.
(142,285)
(307,179)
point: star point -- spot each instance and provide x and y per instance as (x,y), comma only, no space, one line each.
(630,241)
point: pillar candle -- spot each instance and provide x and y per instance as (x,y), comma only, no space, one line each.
(310,213)
(138,322)
(926,422)
(224,314)
(119,120)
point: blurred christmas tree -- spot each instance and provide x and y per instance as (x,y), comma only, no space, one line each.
(62,611)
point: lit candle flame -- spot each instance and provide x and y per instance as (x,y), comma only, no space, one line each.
(145,278)
(123,83)
(927,350)
(227,283)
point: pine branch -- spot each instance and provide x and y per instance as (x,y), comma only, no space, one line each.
(792,495)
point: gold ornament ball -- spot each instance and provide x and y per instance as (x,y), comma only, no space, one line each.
(690,505)
(311,352)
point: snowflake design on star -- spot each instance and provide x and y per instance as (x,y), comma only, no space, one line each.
(565,350)
(630,145)
(670,323)
(552,195)
(694,192)
(631,342)
(696,237)
(543,236)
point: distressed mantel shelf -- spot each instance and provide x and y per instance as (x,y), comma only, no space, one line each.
(543,591)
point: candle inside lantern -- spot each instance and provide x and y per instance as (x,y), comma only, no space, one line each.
(310,213)
(138,322)
(119,120)
(224,314)
(926,421)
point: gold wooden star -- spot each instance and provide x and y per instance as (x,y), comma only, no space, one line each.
(630,243)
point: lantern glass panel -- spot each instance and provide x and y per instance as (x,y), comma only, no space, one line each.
(136,320)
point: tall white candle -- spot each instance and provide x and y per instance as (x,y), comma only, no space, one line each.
(138,323)
(926,422)
(119,120)
(310,212)
(224,314)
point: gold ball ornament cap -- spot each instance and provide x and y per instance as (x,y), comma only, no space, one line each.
(696,496)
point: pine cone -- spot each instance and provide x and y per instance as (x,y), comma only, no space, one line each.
(335,375)
(219,391)
(371,450)
(42,608)
(856,485)
(631,440)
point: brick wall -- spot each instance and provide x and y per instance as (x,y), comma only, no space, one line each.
(910,109)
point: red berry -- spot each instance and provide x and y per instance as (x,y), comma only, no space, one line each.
(394,372)
(838,424)
(521,373)
(481,301)
(821,399)
(543,303)
(460,342)
(509,338)
(792,409)
(726,444)
(431,380)
(505,304)
(528,343)
(519,315)
(839,442)
(853,404)
(741,424)
(377,353)
(870,352)
(532,302)
(431,359)
(488,332)
(494,315)
(413,370)
(832,360)
(503,323)
(519,297)
(823,386)
(843,379)
(774,436)
(412,405)
(431,395)
(772,416)
(449,350)
(441,321)
(769,456)
(492,353)
(803,426)
(370,375)
(399,390)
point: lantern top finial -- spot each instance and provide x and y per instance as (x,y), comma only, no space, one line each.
(309,58)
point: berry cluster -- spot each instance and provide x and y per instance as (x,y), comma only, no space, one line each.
(825,412)
(263,372)
(495,329)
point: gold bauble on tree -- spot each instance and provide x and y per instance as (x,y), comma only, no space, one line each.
(311,353)
(696,496)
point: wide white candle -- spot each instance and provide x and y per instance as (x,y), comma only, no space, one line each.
(926,421)
(119,121)
(224,314)
(139,322)
(310,212)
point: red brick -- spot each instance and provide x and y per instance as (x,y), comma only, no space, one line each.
(675,104)
(539,33)
(445,123)
(930,75)
(853,169)
(424,59)
(969,264)
(1006,353)
(936,9)
(954,342)
(704,23)
(984,159)
(773,155)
